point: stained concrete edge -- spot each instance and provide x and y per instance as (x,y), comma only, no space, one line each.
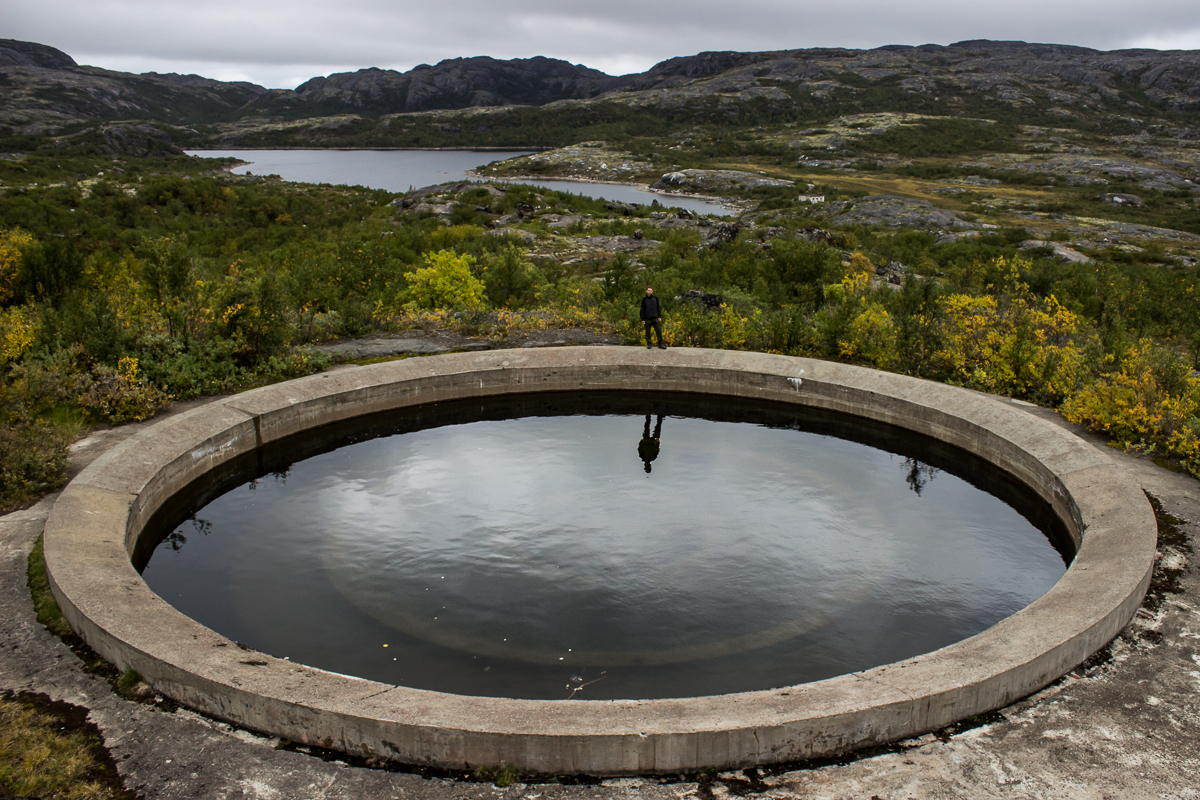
(96,522)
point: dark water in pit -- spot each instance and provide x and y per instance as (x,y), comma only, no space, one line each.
(518,547)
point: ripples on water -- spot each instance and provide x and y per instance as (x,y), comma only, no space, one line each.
(526,557)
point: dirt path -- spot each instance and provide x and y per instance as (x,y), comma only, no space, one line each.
(1127,725)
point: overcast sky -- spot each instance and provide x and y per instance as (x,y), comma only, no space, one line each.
(281,44)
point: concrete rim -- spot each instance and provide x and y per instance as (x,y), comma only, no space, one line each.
(95,525)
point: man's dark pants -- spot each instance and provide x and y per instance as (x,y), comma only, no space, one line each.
(656,326)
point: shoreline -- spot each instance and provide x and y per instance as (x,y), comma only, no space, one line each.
(727,202)
(732,205)
(476,149)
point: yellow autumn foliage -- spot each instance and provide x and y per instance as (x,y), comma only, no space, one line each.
(445,282)
(1017,345)
(1135,406)
(871,337)
(692,326)
(18,329)
(11,244)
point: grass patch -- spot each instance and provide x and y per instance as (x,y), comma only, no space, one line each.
(44,604)
(48,749)
(501,776)
(128,683)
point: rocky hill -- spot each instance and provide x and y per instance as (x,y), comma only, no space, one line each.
(452,84)
(1014,71)
(29,54)
(44,88)
(982,91)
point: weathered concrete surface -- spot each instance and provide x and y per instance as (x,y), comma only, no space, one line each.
(435,342)
(1125,728)
(98,520)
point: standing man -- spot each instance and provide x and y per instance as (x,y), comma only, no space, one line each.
(652,317)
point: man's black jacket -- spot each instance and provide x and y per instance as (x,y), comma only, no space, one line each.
(651,310)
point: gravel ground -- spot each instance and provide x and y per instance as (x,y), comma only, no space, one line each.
(1125,725)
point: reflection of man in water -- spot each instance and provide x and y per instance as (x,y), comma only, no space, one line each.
(648,446)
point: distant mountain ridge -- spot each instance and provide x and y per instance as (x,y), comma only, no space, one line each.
(451,84)
(44,89)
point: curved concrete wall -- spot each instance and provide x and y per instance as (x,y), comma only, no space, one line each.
(96,523)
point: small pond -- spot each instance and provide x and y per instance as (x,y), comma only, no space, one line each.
(605,545)
(401,170)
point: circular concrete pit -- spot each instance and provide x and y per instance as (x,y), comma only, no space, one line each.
(97,522)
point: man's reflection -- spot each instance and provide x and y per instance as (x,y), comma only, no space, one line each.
(648,446)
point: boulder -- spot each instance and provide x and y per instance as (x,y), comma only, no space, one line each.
(625,209)
(705,300)
(815,235)
(722,233)
(1120,199)
(892,272)
(1058,249)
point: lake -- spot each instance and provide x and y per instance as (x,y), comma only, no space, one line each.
(402,170)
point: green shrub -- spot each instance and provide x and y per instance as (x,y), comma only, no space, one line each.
(206,368)
(510,279)
(121,395)
(38,385)
(33,460)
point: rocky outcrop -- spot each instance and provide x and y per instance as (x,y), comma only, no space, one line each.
(723,233)
(714,181)
(595,161)
(619,244)
(1057,249)
(1085,169)
(44,88)
(705,301)
(892,272)
(677,71)
(29,54)
(892,212)
(1123,199)
(451,84)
